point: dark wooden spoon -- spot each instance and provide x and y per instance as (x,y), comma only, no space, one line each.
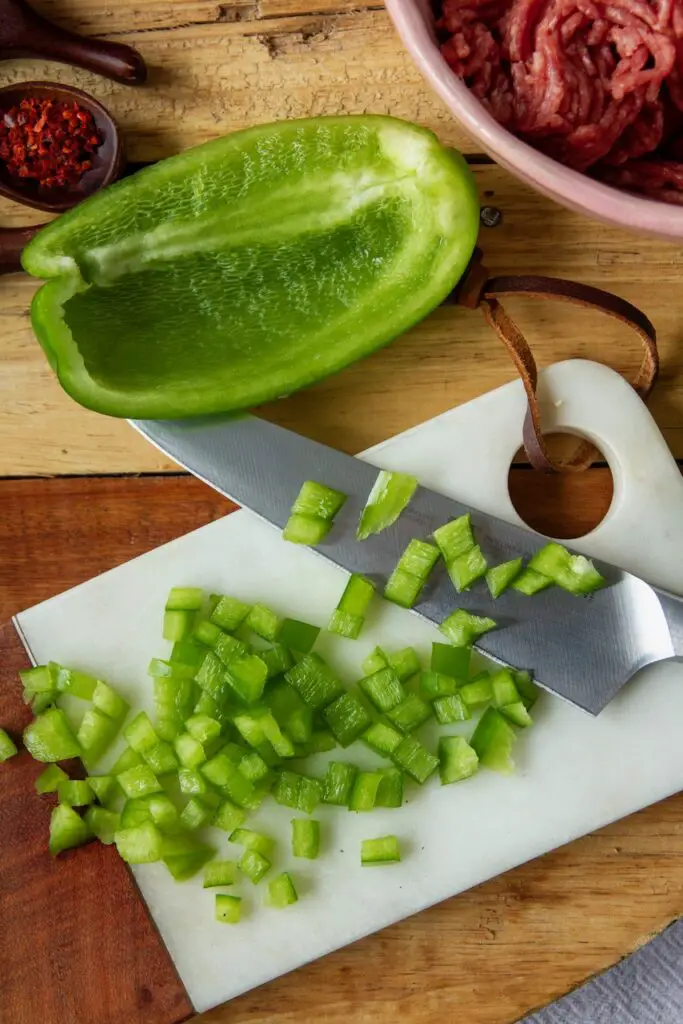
(108,163)
(24,33)
(107,159)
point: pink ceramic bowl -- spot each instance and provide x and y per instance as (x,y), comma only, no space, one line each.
(415,24)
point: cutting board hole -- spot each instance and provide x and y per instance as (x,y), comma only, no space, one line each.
(563,505)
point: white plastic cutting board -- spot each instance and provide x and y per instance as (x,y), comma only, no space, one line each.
(575,773)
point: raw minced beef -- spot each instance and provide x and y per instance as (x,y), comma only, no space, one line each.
(596,85)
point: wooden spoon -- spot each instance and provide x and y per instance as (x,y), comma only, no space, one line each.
(24,33)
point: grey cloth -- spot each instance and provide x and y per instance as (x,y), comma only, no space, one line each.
(645,988)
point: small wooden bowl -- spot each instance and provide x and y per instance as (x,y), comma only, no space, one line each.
(108,159)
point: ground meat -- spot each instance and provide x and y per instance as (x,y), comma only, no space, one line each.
(596,84)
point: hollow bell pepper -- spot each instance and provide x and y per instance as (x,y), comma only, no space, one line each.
(239,271)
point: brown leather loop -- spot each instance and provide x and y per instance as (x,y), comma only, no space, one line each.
(477,289)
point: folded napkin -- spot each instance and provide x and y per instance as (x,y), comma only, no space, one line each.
(645,988)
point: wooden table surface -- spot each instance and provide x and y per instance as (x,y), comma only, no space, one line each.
(492,954)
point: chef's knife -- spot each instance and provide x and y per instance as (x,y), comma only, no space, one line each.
(583,649)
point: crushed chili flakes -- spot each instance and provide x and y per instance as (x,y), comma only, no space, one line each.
(48,141)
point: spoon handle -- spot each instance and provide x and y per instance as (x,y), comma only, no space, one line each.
(12,243)
(24,33)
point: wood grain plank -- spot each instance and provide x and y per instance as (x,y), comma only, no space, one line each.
(448,359)
(76,942)
(488,955)
(215,68)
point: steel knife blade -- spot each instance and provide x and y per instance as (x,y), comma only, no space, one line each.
(582,649)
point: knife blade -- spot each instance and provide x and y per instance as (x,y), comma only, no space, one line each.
(582,649)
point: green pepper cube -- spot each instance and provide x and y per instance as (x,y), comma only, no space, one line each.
(191,782)
(189,751)
(254,865)
(135,812)
(229,613)
(518,714)
(414,759)
(411,713)
(103,824)
(345,624)
(462,628)
(434,684)
(128,759)
(499,577)
(375,661)
(251,840)
(184,599)
(402,588)
(163,811)
(347,718)
(195,814)
(451,661)
(76,684)
(314,681)
(365,789)
(390,791)
(177,625)
(228,909)
(184,855)
(206,632)
(219,872)
(467,569)
(338,783)
(277,660)
(493,740)
(49,737)
(384,850)
(455,538)
(264,622)
(305,838)
(419,558)
(48,781)
(382,738)
(451,709)
(504,688)
(139,781)
(315,499)
(253,767)
(457,759)
(405,663)
(228,816)
(478,691)
(139,845)
(40,679)
(75,793)
(281,892)
(95,735)
(530,582)
(247,676)
(384,689)
(298,636)
(528,690)
(309,530)
(67,829)
(140,733)
(203,728)
(8,747)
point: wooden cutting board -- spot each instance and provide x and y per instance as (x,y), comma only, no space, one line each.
(563,789)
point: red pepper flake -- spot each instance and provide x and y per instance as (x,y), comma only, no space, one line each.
(48,141)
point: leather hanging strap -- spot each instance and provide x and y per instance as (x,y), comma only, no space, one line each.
(478,290)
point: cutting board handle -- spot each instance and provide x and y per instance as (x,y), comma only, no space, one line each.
(577,397)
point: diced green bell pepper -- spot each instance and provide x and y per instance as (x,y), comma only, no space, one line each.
(305,838)
(365,789)
(140,734)
(76,684)
(338,783)
(251,840)
(527,688)
(517,713)
(530,582)
(390,791)
(67,829)
(219,872)
(435,684)
(455,538)
(462,628)
(384,689)
(227,909)
(229,613)
(380,851)
(75,793)
(184,855)
(382,738)
(103,824)
(281,891)
(478,691)
(493,740)
(450,709)
(467,569)
(347,718)
(314,681)
(264,622)
(375,661)
(142,844)
(499,577)
(414,759)
(8,747)
(49,737)
(457,759)
(410,714)
(451,660)
(298,636)
(184,599)
(48,781)
(254,865)
(95,735)
(139,781)
(228,816)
